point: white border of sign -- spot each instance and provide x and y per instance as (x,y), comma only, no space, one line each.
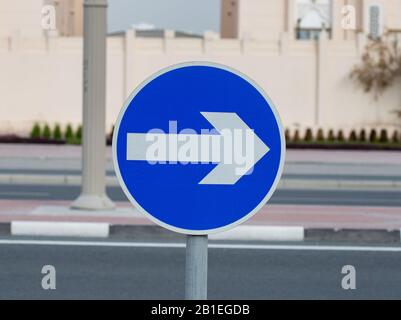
(250,214)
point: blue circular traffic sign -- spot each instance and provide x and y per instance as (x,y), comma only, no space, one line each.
(198,148)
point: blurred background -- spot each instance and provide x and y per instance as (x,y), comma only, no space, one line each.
(333,70)
(302,52)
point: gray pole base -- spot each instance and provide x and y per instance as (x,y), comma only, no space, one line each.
(196,268)
(92,202)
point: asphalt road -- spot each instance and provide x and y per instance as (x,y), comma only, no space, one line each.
(123,271)
(312,197)
(336,175)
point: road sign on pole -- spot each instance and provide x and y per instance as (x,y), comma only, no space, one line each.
(199,148)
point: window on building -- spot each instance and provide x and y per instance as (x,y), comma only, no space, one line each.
(312,17)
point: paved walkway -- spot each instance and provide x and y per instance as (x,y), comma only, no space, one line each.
(307,216)
(322,165)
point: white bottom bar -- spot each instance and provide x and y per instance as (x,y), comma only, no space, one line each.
(61,229)
(261,233)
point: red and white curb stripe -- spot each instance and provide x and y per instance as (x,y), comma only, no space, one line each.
(241,233)
(102,230)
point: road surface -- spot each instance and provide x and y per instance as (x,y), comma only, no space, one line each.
(301,197)
(114,270)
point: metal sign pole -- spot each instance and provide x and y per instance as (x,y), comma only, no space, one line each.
(196,268)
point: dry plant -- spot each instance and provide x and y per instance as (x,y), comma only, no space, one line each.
(380,66)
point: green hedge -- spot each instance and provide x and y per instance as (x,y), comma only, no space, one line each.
(337,136)
(292,137)
(46,132)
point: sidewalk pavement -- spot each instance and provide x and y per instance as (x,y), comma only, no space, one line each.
(380,170)
(272,223)
(308,216)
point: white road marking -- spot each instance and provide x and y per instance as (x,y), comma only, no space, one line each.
(211,245)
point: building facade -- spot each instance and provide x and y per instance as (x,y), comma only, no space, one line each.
(300,51)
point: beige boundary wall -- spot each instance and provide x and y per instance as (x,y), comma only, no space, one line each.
(41,78)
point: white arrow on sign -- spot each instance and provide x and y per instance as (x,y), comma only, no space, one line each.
(225,147)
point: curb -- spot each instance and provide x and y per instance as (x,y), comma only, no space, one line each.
(311,184)
(261,233)
(59,229)
(153,232)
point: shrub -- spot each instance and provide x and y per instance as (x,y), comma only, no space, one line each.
(383,136)
(352,136)
(373,136)
(35,132)
(110,137)
(308,135)
(57,132)
(331,136)
(396,137)
(287,134)
(46,132)
(296,137)
(380,66)
(362,135)
(340,136)
(78,134)
(320,135)
(69,135)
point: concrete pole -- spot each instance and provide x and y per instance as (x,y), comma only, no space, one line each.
(93,195)
(321,71)
(196,268)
